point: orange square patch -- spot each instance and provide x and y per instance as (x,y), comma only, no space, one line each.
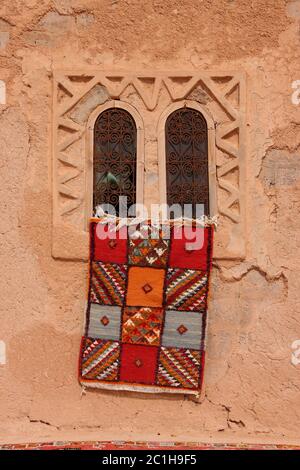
(145,287)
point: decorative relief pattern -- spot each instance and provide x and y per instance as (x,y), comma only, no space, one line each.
(77,95)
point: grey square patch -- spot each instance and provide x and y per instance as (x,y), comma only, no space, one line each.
(104,322)
(182,329)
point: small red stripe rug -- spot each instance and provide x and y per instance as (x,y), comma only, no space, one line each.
(147,307)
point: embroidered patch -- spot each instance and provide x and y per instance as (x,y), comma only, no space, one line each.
(142,325)
(104,322)
(146,316)
(179,368)
(100,359)
(148,252)
(186,289)
(108,283)
(145,287)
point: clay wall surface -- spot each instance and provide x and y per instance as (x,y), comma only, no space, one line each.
(252,383)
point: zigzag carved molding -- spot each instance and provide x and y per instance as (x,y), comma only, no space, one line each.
(70,88)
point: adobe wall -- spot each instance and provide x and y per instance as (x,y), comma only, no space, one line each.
(252,387)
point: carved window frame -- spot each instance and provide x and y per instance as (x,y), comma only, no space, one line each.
(150,94)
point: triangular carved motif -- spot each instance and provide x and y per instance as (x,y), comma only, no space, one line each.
(220,97)
(227,167)
(233,197)
(70,204)
(66,86)
(77,82)
(148,89)
(67,174)
(233,95)
(180,87)
(71,133)
(221,81)
(65,106)
(115,85)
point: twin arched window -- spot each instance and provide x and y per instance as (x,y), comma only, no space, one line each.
(115,158)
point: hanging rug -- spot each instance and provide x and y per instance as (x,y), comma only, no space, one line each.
(146,314)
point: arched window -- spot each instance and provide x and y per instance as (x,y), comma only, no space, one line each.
(186,150)
(114,163)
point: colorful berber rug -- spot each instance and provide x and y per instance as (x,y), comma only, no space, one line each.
(147,307)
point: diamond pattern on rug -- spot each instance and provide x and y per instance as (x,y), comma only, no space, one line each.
(148,252)
(179,368)
(108,283)
(182,329)
(138,363)
(145,287)
(104,322)
(186,289)
(142,325)
(100,359)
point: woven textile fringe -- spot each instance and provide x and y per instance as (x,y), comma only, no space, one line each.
(104,218)
(140,389)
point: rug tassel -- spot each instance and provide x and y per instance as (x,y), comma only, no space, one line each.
(83,391)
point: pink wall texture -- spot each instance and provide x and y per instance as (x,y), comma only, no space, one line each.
(252,371)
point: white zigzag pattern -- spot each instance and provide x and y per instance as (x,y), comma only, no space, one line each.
(109,370)
(187,273)
(90,348)
(168,377)
(93,296)
(95,289)
(189,292)
(160,251)
(118,287)
(98,359)
(179,367)
(197,302)
(150,259)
